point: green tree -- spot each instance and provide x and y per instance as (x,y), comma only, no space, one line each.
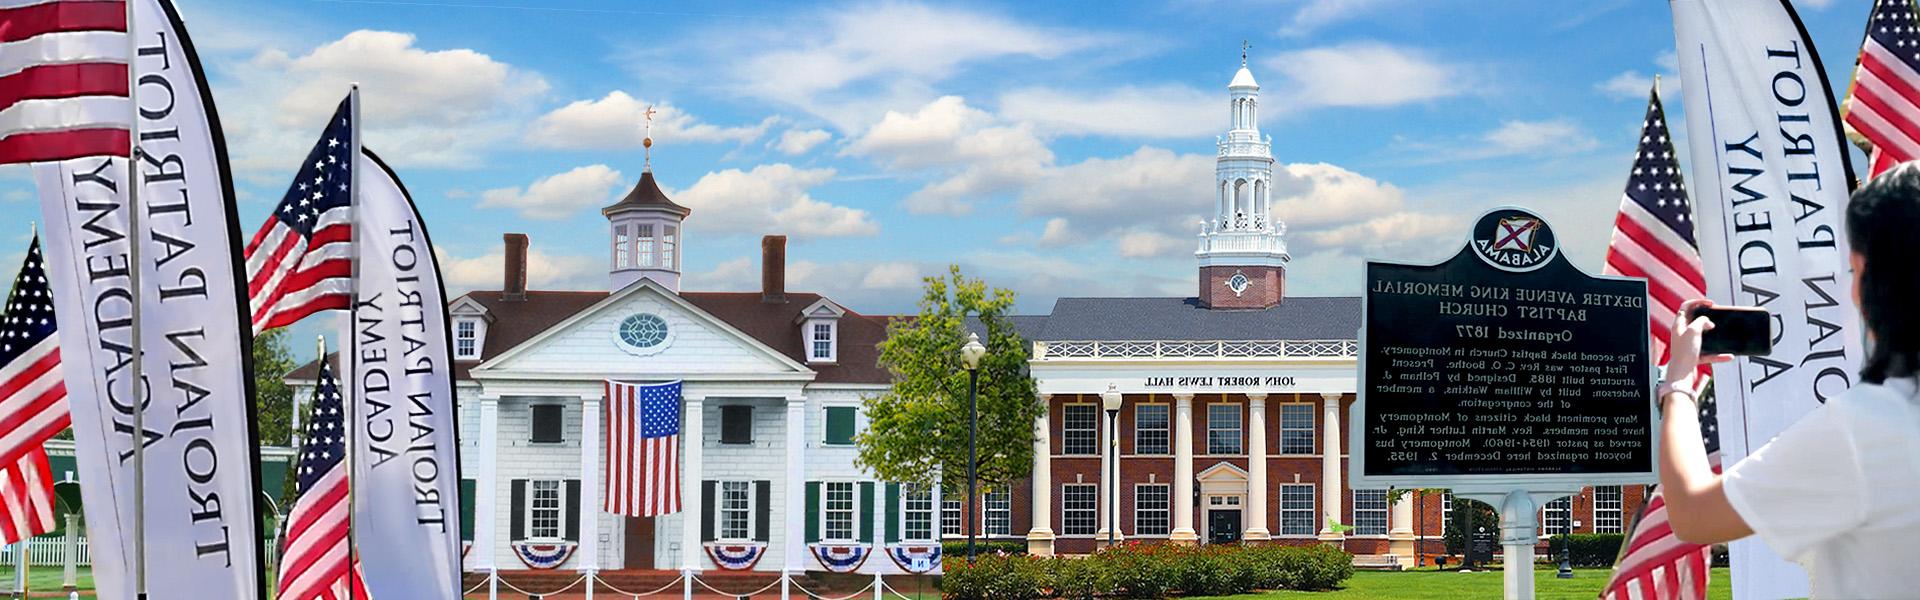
(917,429)
(273,399)
(1469,516)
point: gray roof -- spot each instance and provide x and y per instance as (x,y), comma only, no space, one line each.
(1028,326)
(1143,319)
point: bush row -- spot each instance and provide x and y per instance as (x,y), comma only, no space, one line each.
(957,549)
(1588,549)
(1136,570)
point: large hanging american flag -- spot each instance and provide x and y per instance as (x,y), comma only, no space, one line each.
(1653,238)
(314,565)
(300,261)
(643,448)
(1883,112)
(33,402)
(63,80)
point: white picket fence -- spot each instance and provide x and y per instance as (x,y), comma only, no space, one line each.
(46,550)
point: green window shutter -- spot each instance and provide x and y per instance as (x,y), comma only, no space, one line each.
(762,508)
(466,509)
(840,425)
(813,511)
(518,519)
(573,510)
(707,510)
(866,513)
(892,510)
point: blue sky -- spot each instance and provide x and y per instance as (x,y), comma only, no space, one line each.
(1057,149)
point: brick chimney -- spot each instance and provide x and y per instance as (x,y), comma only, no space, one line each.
(514,288)
(773,269)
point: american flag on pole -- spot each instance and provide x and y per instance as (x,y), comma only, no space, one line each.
(643,448)
(314,565)
(1653,238)
(1883,112)
(63,80)
(33,402)
(300,261)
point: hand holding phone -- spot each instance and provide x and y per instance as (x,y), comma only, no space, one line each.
(1737,330)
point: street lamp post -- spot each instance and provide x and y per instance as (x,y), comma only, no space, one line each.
(970,355)
(1110,400)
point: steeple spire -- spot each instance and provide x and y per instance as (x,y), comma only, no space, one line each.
(1244,45)
(647,142)
(1242,253)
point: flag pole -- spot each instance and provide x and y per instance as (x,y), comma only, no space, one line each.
(135,383)
(352,400)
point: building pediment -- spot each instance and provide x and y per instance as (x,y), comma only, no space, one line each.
(642,332)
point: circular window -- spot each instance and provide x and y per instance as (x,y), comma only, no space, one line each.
(643,331)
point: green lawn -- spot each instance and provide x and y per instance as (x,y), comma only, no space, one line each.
(1449,585)
(45,579)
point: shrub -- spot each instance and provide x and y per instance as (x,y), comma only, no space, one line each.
(957,550)
(1319,567)
(1587,549)
(1137,571)
(1203,571)
(1078,578)
(994,577)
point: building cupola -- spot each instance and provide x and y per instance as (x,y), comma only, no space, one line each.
(1242,252)
(646,240)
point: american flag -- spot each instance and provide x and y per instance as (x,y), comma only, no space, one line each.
(643,448)
(33,402)
(314,565)
(63,80)
(1653,239)
(1884,110)
(300,261)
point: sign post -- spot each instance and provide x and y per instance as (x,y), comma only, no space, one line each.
(1506,374)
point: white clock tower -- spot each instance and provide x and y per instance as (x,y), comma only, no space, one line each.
(1242,254)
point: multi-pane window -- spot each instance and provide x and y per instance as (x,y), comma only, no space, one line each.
(951,512)
(1369,512)
(1606,509)
(1296,429)
(916,512)
(465,337)
(821,338)
(1554,517)
(643,245)
(837,511)
(1079,509)
(1296,510)
(1150,512)
(620,249)
(1446,509)
(1150,429)
(736,510)
(1078,433)
(666,248)
(545,497)
(1223,428)
(999,518)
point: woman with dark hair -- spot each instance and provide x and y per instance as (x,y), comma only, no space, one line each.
(1839,491)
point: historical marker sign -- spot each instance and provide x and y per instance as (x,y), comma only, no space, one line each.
(1503,366)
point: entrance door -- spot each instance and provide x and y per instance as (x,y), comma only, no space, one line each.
(1223,526)
(640,542)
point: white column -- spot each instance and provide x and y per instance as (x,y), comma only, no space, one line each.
(796,519)
(693,431)
(1257,468)
(1400,529)
(70,576)
(1330,447)
(590,498)
(486,536)
(1108,455)
(1183,532)
(1040,535)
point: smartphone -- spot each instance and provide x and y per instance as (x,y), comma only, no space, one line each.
(1738,330)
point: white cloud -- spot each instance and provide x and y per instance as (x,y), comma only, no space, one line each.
(977,155)
(1315,14)
(1520,137)
(1362,74)
(1143,244)
(1172,111)
(773,198)
(1058,232)
(619,121)
(544,271)
(1150,185)
(892,276)
(794,142)
(557,196)
(421,107)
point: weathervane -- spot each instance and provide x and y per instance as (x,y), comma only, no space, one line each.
(1244,45)
(647,142)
